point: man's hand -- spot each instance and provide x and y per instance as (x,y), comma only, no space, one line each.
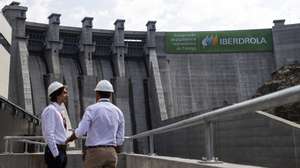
(71,138)
(67,141)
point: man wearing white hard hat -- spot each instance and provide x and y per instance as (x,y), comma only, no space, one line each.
(104,124)
(54,127)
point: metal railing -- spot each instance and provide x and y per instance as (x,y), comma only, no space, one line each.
(35,140)
(282,97)
(279,119)
(17,109)
(289,95)
(38,141)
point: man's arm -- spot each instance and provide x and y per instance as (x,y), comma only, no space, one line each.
(120,133)
(82,127)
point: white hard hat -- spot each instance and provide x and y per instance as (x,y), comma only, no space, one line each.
(54,86)
(104,86)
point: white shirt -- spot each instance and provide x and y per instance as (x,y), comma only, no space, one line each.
(53,128)
(104,124)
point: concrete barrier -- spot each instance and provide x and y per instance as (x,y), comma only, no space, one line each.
(144,161)
(36,160)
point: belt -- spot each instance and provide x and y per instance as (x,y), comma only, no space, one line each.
(100,146)
(61,146)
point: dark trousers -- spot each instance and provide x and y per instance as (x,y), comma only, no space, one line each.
(56,162)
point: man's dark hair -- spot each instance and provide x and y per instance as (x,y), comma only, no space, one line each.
(103,94)
(54,95)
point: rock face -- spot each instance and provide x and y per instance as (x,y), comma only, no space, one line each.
(286,76)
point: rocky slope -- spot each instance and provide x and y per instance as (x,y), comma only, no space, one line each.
(285,77)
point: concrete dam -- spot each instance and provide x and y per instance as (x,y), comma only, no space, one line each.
(160,78)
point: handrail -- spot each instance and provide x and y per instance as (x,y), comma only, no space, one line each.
(33,117)
(279,119)
(25,139)
(35,140)
(32,142)
(278,98)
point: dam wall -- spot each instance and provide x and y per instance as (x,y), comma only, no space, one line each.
(155,84)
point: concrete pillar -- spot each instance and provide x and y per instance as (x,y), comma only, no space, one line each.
(16,16)
(152,63)
(151,29)
(119,49)
(279,22)
(285,49)
(87,47)
(53,45)
(20,85)
(121,99)
(121,83)
(279,55)
(87,81)
(87,93)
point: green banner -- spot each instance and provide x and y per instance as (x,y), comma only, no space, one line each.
(219,41)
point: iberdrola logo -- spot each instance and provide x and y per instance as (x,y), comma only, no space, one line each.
(210,41)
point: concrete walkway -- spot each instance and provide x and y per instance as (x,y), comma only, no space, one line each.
(36,160)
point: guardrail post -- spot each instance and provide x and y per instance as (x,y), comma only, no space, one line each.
(128,145)
(38,148)
(6,145)
(26,147)
(151,145)
(10,147)
(209,140)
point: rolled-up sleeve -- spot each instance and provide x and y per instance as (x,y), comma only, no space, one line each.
(48,121)
(120,131)
(84,124)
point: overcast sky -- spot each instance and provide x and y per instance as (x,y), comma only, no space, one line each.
(171,15)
